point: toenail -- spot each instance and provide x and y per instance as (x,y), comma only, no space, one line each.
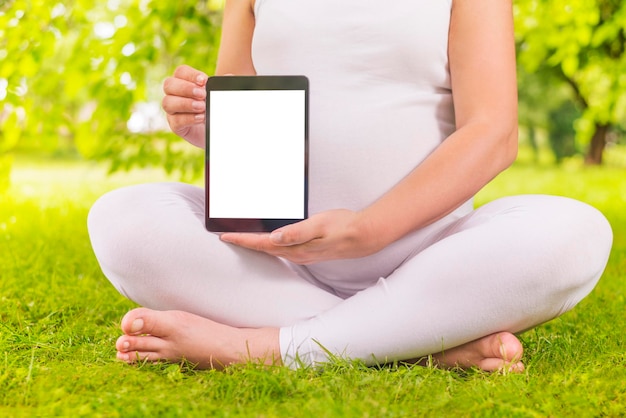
(126,345)
(503,352)
(137,325)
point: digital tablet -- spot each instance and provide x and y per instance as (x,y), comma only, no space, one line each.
(256,152)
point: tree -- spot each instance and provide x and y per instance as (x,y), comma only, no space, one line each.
(73,72)
(551,113)
(583,42)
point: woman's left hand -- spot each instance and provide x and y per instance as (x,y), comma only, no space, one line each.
(330,235)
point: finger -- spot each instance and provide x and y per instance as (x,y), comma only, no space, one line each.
(174,105)
(296,234)
(173,86)
(296,254)
(256,242)
(179,122)
(188,73)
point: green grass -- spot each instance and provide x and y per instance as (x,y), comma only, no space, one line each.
(59,316)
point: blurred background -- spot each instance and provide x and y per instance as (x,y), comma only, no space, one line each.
(81,80)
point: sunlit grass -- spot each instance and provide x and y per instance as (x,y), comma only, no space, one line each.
(59,316)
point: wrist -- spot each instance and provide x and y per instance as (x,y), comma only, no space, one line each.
(369,233)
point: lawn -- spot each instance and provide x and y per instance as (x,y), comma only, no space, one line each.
(59,320)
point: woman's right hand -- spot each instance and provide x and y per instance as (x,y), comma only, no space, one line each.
(185,105)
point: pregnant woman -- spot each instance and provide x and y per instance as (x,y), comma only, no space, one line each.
(413,109)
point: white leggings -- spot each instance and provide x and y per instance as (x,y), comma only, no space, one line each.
(507,266)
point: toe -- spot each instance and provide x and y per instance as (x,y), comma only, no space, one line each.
(127,343)
(144,321)
(137,356)
(123,344)
(497,364)
(133,323)
(504,353)
(507,347)
(132,349)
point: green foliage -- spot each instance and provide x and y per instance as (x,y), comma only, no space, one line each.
(59,316)
(546,108)
(580,43)
(74,71)
(562,134)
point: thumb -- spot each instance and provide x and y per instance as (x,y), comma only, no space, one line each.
(295,234)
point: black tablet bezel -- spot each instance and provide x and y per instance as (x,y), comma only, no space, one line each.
(265,82)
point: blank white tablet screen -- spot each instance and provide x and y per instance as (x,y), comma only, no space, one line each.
(257,154)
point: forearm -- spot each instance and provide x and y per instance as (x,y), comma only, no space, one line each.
(481,51)
(451,175)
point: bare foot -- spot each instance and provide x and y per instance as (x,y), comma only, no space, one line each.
(172,336)
(500,351)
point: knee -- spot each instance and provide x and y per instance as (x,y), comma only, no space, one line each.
(123,226)
(581,240)
(131,227)
(110,222)
(588,236)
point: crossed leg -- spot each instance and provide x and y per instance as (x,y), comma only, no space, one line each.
(173,336)
(505,268)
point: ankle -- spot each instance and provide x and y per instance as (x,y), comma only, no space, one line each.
(259,345)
